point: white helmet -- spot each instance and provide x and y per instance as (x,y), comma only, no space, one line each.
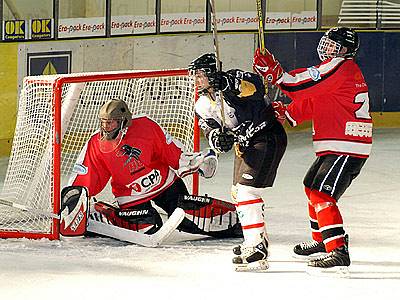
(113,110)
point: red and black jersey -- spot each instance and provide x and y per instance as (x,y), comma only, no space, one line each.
(334,95)
(140,168)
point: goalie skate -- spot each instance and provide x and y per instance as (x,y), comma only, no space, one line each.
(252,259)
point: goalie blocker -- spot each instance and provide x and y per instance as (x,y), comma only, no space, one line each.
(143,224)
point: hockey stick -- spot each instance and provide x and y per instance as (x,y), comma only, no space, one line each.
(218,94)
(28,209)
(261,39)
(146,240)
(260,26)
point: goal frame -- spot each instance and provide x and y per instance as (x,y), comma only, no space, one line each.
(56,100)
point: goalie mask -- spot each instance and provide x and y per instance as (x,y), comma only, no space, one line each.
(115,118)
(338,41)
(203,69)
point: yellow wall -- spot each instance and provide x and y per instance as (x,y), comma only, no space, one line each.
(8,94)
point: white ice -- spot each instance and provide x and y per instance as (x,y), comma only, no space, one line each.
(195,267)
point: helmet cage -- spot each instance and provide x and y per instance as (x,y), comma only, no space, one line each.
(113,133)
(328,48)
(206,63)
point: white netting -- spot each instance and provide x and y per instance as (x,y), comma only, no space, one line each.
(167,97)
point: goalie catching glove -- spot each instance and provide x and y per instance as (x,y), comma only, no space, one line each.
(205,163)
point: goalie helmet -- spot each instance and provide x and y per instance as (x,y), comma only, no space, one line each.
(333,41)
(207,65)
(115,117)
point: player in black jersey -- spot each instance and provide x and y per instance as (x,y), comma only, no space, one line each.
(246,120)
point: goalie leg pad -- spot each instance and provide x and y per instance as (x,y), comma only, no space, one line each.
(74,211)
(209,216)
(142,218)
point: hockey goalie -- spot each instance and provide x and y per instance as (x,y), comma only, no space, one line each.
(145,167)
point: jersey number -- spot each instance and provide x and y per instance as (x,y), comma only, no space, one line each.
(363,111)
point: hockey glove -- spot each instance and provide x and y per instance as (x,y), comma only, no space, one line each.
(209,166)
(74,210)
(205,163)
(280,110)
(221,140)
(222,81)
(267,66)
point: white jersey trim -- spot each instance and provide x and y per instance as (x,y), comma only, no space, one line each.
(342,146)
(323,69)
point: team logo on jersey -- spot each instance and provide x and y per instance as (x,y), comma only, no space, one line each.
(80,169)
(315,74)
(132,163)
(145,183)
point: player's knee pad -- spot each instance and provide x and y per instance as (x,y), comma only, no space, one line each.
(245,192)
(321,200)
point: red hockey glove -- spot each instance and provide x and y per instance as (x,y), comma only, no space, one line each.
(280,110)
(267,66)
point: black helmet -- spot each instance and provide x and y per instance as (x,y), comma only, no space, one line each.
(206,62)
(335,39)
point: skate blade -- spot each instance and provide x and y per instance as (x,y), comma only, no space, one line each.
(309,257)
(257,266)
(338,272)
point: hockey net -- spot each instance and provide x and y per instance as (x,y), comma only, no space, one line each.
(56,116)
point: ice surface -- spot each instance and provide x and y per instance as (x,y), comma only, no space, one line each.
(194,267)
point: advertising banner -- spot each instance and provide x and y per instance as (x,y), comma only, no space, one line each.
(81,27)
(14,30)
(183,22)
(304,20)
(41,29)
(49,63)
(239,20)
(133,24)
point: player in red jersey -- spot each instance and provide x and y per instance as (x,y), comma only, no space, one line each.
(143,162)
(334,95)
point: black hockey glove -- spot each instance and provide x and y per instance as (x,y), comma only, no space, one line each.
(222,81)
(221,140)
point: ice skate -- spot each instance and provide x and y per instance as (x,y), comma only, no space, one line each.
(335,262)
(237,250)
(309,250)
(312,249)
(252,258)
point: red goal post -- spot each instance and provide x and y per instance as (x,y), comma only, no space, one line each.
(56,116)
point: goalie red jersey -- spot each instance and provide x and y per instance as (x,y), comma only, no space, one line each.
(334,95)
(139,166)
